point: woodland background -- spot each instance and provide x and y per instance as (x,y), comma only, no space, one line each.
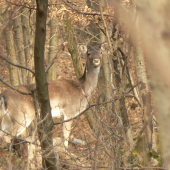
(127,123)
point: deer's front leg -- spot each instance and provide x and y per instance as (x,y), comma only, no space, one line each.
(66,130)
(6,126)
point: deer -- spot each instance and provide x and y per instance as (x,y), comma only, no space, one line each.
(68,98)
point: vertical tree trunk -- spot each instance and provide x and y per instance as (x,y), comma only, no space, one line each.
(120,83)
(27,39)
(155,44)
(14,78)
(143,92)
(54,40)
(45,126)
(20,46)
(145,100)
(32,23)
(95,31)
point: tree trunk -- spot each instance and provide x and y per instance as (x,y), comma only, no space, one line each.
(72,48)
(145,99)
(95,32)
(120,84)
(54,41)
(27,39)
(155,44)
(20,46)
(143,92)
(32,34)
(46,121)
(14,78)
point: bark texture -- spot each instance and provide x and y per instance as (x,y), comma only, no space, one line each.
(54,40)
(14,78)
(19,42)
(72,48)
(46,124)
(27,43)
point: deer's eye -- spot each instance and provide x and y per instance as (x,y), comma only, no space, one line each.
(88,55)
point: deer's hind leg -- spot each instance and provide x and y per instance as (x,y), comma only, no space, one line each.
(66,130)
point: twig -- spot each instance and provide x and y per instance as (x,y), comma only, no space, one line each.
(106,29)
(21,5)
(17,65)
(26,141)
(122,53)
(75,117)
(58,53)
(86,13)
(15,88)
(56,123)
(133,87)
(131,96)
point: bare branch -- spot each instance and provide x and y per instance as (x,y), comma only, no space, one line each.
(24,140)
(133,87)
(17,65)
(86,13)
(56,123)
(15,88)
(22,5)
(58,53)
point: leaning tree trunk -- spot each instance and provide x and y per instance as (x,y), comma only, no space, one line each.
(72,48)
(46,122)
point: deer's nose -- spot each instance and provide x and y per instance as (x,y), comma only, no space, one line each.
(96,62)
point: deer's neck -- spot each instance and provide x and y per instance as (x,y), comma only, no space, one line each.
(89,80)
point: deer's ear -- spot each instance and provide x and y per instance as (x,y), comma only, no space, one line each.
(83,48)
(104,46)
